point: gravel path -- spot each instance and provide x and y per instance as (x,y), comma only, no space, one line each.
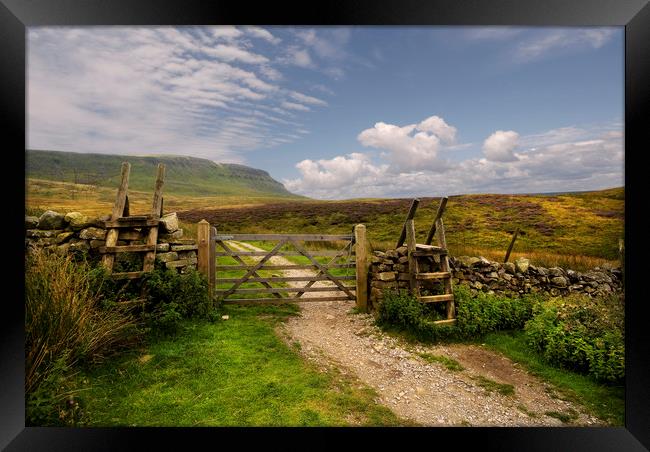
(427,393)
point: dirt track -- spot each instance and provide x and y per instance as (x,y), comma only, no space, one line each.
(413,388)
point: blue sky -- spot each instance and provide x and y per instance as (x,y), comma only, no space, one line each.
(343,112)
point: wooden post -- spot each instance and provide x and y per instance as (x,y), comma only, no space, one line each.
(156,207)
(212,258)
(203,241)
(432,230)
(512,243)
(444,266)
(361,254)
(410,244)
(118,211)
(409,216)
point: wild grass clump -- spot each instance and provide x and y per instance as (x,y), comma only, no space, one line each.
(583,334)
(476,315)
(65,324)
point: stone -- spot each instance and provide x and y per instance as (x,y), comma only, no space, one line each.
(483,262)
(185,247)
(403,259)
(97,243)
(386,276)
(167,257)
(162,247)
(77,220)
(392,254)
(51,220)
(62,250)
(543,271)
(81,245)
(375,259)
(64,236)
(559,281)
(468,261)
(509,267)
(380,254)
(169,237)
(522,264)
(506,277)
(99,222)
(38,234)
(169,222)
(493,275)
(190,255)
(476,285)
(402,250)
(31,222)
(556,271)
(92,233)
(384,268)
(403,277)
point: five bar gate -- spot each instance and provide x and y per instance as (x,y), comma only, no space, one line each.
(350,255)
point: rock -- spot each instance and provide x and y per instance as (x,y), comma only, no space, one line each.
(81,245)
(386,276)
(162,247)
(38,234)
(392,254)
(483,262)
(380,254)
(51,220)
(476,285)
(402,250)
(167,257)
(556,271)
(169,222)
(225,317)
(509,267)
(31,222)
(522,264)
(77,220)
(62,250)
(168,237)
(64,236)
(543,271)
(99,222)
(92,233)
(559,281)
(468,261)
(493,275)
(403,259)
(384,268)
(97,243)
(185,247)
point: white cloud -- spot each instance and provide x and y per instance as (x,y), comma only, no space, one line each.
(594,161)
(146,90)
(440,128)
(295,106)
(411,147)
(492,33)
(232,53)
(262,33)
(500,146)
(307,99)
(556,40)
(298,57)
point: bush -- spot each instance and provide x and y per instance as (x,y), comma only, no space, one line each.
(581,333)
(476,315)
(171,297)
(64,325)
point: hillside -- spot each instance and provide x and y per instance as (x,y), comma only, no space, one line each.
(184,175)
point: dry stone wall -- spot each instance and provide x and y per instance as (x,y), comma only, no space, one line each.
(389,271)
(75,232)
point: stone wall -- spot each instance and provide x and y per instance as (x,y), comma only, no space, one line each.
(389,270)
(74,232)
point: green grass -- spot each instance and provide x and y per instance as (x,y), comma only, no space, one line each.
(236,372)
(449,363)
(564,417)
(491,385)
(604,401)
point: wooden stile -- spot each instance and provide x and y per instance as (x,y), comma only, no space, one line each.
(361,267)
(409,216)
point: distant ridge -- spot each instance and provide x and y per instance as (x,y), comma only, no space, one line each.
(184,175)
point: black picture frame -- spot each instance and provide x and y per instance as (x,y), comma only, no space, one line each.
(16,15)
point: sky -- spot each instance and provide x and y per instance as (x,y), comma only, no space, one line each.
(343,112)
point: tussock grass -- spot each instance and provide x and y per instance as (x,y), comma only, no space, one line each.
(449,363)
(64,324)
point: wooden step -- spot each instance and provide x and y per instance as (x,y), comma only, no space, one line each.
(440,251)
(135,217)
(420,246)
(445,322)
(436,298)
(128,222)
(434,275)
(127,275)
(127,249)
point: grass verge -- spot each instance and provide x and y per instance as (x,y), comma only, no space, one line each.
(604,401)
(236,372)
(449,363)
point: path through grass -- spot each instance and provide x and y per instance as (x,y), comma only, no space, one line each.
(234,372)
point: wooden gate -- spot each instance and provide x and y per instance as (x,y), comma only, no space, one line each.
(282,268)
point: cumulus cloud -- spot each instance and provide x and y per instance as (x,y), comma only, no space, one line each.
(564,159)
(500,146)
(411,147)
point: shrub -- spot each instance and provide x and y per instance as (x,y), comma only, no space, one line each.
(64,324)
(171,297)
(476,315)
(581,333)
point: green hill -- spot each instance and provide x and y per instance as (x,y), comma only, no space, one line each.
(184,175)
